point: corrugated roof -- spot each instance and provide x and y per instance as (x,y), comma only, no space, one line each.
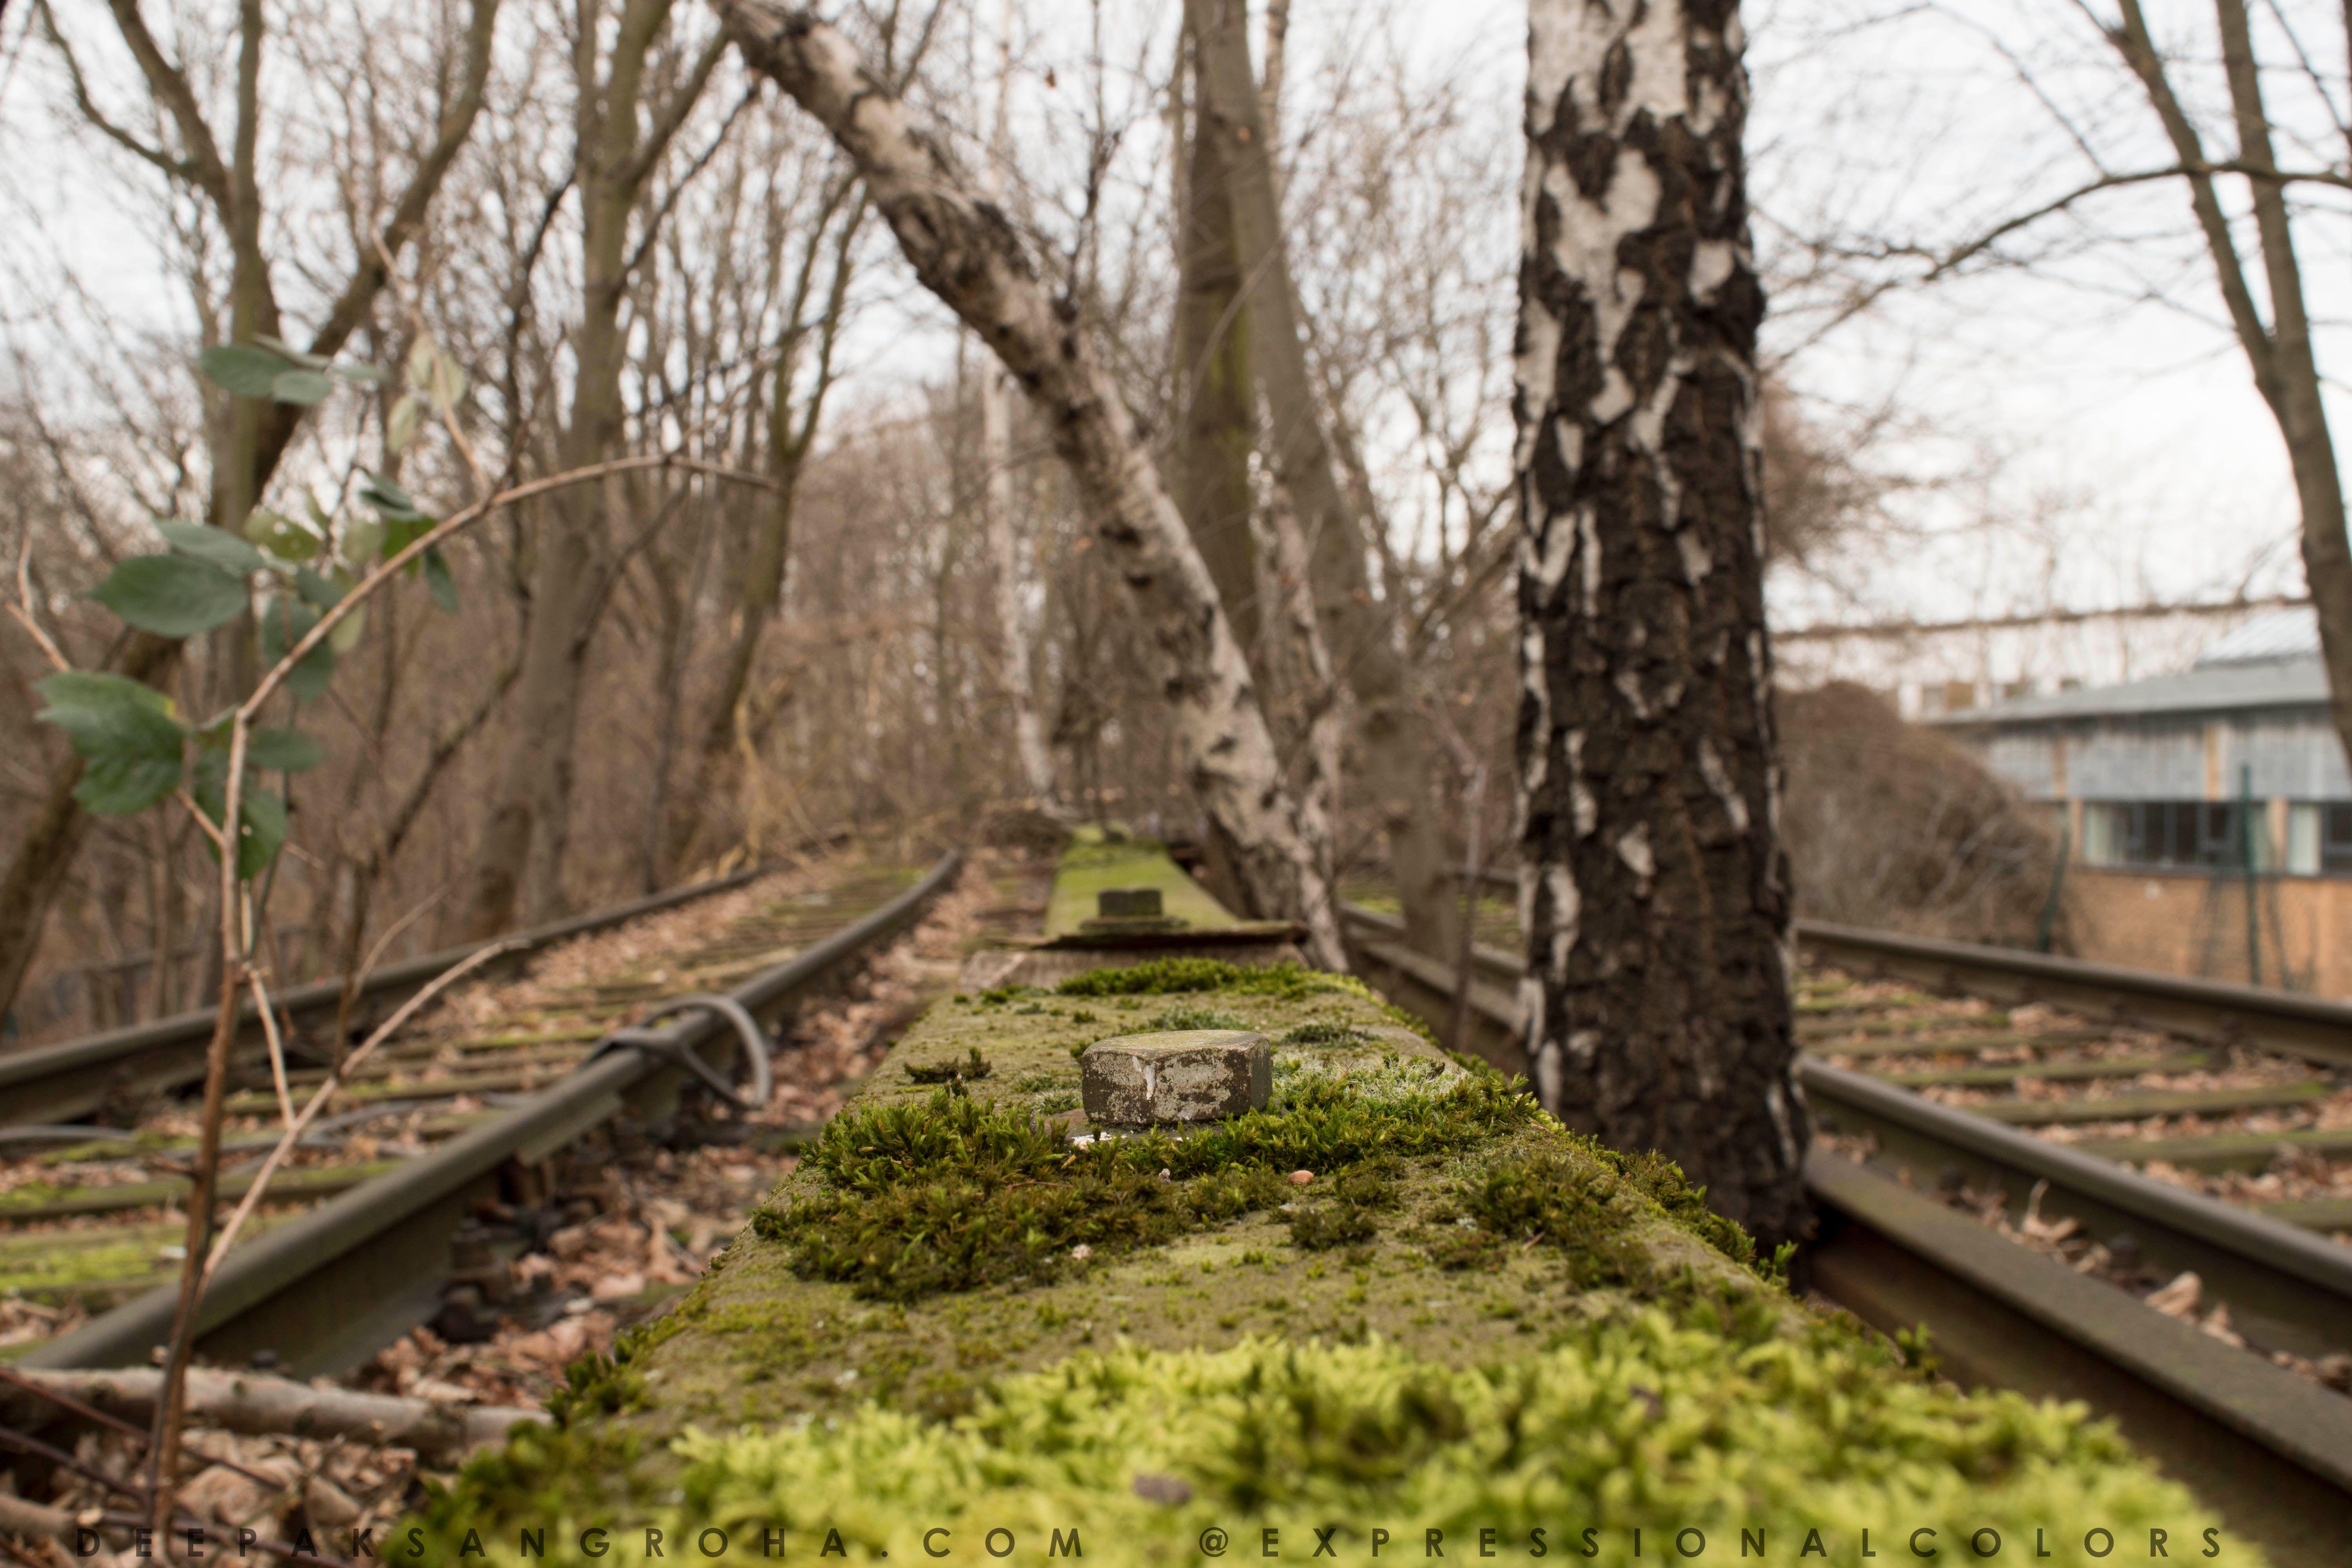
(2281,634)
(2299,682)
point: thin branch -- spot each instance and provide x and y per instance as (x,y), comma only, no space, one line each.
(277,1046)
(23,608)
(169,84)
(299,1124)
(176,168)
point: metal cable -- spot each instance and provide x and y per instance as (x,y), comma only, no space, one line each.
(642,1037)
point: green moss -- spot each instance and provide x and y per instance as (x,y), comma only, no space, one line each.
(973,1068)
(1093,864)
(1161,976)
(1576,1208)
(1322,1033)
(953,1194)
(1633,1423)
(1197,1018)
(907,1326)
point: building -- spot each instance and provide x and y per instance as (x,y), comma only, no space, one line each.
(2207,814)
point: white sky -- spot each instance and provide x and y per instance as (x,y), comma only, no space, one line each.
(2097,430)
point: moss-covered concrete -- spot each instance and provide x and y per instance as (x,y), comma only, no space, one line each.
(1093,863)
(1468,1318)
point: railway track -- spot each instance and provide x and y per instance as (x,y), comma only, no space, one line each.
(2072,1175)
(445,1158)
(1910,1175)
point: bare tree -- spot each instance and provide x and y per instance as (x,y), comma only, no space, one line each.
(996,455)
(252,432)
(1653,887)
(627,116)
(967,253)
(1358,629)
(2280,350)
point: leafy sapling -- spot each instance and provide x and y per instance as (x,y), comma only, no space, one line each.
(135,744)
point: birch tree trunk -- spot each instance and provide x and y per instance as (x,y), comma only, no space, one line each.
(965,251)
(1357,629)
(1211,372)
(1004,562)
(1653,887)
(996,459)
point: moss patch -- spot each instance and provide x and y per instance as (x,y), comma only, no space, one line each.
(911,1326)
(1634,1423)
(1092,865)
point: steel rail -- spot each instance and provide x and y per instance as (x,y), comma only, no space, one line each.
(2269,1450)
(2311,1028)
(332,1287)
(2291,1023)
(2287,1288)
(74,1077)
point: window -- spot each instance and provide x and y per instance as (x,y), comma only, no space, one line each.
(2182,833)
(2336,839)
(2319,838)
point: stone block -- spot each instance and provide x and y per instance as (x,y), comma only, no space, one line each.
(1129,904)
(1182,1075)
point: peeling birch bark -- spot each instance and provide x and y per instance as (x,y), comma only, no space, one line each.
(966,252)
(1004,559)
(1653,887)
(996,453)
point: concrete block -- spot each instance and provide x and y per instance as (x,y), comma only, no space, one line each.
(1129,904)
(1182,1075)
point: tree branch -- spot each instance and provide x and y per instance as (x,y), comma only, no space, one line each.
(170,84)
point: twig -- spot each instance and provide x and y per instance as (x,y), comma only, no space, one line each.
(164,1449)
(257,1404)
(65,1400)
(170,1412)
(211,831)
(298,1124)
(276,1048)
(23,608)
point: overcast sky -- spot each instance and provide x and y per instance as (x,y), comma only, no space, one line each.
(2094,428)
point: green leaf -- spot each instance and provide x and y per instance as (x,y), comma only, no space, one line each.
(320,520)
(346,634)
(261,816)
(439,581)
(265,833)
(285,623)
(302,386)
(118,786)
(125,733)
(449,383)
(363,537)
(315,589)
(400,425)
(360,375)
(285,349)
(398,536)
(281,536)
(214,546)
(171,595)
(241,368)
(282,751)
(396,504)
